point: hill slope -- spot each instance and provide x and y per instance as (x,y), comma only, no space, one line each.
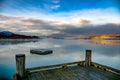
(10,35)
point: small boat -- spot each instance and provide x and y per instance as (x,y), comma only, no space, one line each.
(41,51)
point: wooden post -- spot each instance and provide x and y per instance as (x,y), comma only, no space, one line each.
(20,65)
(88,58)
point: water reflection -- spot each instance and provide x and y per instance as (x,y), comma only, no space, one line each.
(63,51)
(106,42)
(16,41)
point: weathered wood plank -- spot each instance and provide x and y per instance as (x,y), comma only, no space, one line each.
(54,66)
(106,68)
(106,75)
(75,73)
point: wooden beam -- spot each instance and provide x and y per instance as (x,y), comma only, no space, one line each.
(41,68)
(105,68)
(88,58)
(20,65)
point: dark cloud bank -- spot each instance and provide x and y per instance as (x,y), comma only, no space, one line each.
(93,29)
(37,24)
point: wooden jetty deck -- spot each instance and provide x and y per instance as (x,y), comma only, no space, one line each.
(81,70)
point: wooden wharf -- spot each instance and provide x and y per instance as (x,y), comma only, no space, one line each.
(81,70)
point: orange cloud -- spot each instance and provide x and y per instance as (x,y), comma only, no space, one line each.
(84,21)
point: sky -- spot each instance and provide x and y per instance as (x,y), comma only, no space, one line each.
(68,17)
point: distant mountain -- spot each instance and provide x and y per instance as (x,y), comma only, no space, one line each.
(11,35)
(6,33)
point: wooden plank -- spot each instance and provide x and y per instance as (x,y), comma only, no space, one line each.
(105,75)
(75,73)
(106,68)
(54,66)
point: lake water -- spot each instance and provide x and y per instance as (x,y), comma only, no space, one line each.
(105,52)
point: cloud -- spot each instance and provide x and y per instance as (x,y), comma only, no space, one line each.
(83,21)
(33,26)
(93,29)
(38,18)
(44,12)
(27,25)
(50,5)
(80,21)
(2,29)
(55,1)
(95,16)
(55,6)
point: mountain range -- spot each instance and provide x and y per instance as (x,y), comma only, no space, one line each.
(11,35)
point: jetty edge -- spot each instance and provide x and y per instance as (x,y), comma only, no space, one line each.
(66,70)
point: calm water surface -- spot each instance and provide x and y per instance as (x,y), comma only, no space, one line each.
(106,52)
